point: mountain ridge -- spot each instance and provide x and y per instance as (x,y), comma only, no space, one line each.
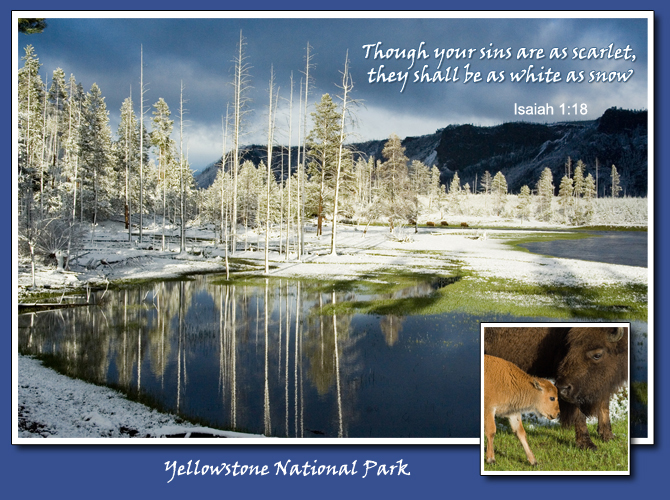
(520,150)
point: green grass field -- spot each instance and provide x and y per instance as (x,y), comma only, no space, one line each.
(555,450)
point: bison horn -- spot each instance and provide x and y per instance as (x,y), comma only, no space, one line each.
(615,337)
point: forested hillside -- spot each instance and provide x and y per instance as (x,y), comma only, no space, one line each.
(521,151)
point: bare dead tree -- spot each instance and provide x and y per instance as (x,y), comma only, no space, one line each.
(241,86)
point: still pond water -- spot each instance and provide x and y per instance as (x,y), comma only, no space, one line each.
(628,248)
(267,358)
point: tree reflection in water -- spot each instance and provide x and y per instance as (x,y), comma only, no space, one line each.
(187,347)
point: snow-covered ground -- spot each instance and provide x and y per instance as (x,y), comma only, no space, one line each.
(111,257)
(51,405)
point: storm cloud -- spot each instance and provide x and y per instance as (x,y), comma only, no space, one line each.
(199,52)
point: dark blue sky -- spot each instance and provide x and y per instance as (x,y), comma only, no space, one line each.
(200,52)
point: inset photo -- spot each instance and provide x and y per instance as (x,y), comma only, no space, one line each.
(555,399)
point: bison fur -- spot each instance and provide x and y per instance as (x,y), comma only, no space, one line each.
(508,392)
(588,364)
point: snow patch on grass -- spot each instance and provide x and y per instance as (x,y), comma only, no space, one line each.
(51,405)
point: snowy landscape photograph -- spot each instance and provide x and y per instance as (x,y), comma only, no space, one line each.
(287,227)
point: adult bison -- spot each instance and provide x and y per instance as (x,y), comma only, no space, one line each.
(588,365)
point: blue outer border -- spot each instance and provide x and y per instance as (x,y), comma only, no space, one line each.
(451,471)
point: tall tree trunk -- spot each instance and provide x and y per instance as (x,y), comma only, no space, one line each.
(301,248)
(182,188)
(288,208)
(346,87)
(270,139)
(239,83)
(127,183)
(141,209)
(298,226)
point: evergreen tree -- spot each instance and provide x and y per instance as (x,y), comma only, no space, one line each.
(250,189)
(95,153)
(70,163)
(454,195)
(348,204)
(616,183)
(57,110)
(261,206)
(30,113)
(486,182)
(363,171)
(578,191)
(545,192)
(499,190)
(30,26)
(589,193)
(420,185)
(323,145)
(127,158)
(523,207)
(436,188)
(160,137)
(565,192)
(394,175)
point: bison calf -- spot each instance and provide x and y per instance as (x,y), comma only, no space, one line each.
(589,364)
(508,392)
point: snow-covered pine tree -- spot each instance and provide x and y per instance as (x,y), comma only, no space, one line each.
(361,182)
(250,188)
(95,149)
(565,192)
(56,128)
(486,182)
(127,158)
(71,186)
(499,190)
(545,193)
(160,137)
(436,187)
(616,183)
(523,207)
(454,195)
(323,145)
(589,193)
(30,113)
(419,176)
(393,176)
